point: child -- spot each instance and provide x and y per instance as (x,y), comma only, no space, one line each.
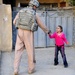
(60,38)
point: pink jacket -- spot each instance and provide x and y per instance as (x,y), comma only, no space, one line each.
(59,39)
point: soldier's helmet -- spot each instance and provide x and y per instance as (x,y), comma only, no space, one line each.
(34,3)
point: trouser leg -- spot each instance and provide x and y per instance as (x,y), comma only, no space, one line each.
(62,51)
(18,53)
(17,60)
(56,56)
(28,35)
(32,40)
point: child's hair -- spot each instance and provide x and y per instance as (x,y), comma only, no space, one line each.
(61,28)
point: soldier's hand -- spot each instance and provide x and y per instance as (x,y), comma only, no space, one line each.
(49,32)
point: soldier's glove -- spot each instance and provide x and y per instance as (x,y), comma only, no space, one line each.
(16,27)
(49,31)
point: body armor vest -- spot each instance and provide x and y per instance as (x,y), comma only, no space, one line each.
(27,19)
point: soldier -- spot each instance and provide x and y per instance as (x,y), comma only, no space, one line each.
(25,39)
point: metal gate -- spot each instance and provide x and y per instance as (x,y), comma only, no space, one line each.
(52,19)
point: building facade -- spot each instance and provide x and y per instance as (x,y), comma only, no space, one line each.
(50,3)
(43,3)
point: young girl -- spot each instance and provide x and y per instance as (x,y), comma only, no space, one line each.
(60,38)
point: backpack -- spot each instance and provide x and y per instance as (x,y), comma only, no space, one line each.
(27,19)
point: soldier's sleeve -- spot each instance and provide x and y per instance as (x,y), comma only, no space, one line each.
(17,16)
(41,24)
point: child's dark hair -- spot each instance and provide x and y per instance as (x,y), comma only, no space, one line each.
(61,28)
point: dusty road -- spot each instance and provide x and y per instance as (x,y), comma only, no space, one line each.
(44,65)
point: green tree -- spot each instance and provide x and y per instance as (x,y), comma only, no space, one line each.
(71,2)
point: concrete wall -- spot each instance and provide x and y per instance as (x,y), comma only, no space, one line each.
(0,1)
(5,28)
